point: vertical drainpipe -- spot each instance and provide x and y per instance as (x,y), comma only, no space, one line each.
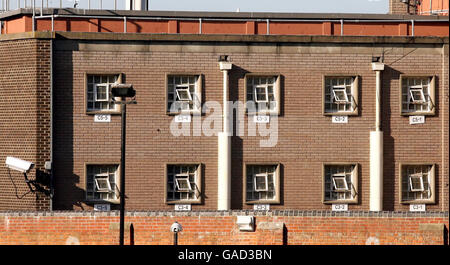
(51,125)
(34,15)
(376,148)
(224,148)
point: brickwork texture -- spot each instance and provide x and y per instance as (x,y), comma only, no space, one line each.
(306,138)
(219,228)
(25,121)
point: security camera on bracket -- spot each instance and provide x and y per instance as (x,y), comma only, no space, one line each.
(21,166)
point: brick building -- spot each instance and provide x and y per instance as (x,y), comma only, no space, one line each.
(421,7)
(316,76)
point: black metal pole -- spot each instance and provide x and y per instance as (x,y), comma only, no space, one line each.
(122,172)
(175,238)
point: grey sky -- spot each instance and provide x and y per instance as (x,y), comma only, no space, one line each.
(294,6)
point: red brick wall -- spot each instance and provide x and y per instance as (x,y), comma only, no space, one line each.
(24,119)
(398,7)
(206,228)
(306,138)
(213,23)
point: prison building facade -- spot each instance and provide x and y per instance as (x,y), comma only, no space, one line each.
(351,110)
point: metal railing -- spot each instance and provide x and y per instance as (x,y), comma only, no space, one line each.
(200,20)
(39,5)
(434,12)
(7,5)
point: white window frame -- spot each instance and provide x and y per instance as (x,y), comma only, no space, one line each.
(183,88)
(105,177)
(411,186)
(409,195)
(266,93)
(108,87)
(266,181)
(418,88)
(92,103)
(190,195)
(341,177)
(331,103)
(183,105)
(266,106)
(340,89)
(252,195)
(91,180)
(409,105)
(329,186)
(184,177)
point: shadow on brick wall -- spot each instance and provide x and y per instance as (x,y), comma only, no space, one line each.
(67,195)
(236,141)
(388,141)
(445,235)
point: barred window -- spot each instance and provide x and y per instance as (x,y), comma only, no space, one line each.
(99,96)
(262,183)
(340,94)
(101,183)
(183,93)
(263,91)
(183,183)
(417,95)
(340,183)
(417,183)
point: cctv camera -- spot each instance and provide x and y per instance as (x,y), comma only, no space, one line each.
(19,164)
(176,227)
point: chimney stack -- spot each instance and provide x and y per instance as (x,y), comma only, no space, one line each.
(136,5)
(402,7)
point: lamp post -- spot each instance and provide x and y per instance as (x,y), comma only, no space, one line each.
(123,91)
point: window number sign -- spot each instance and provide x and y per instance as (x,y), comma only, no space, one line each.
(182,207)
(261,119)
(102,118)
(417,208)
(183,118)
(339,207)
(339,119)
(261,207)
(102,207)
(416,119)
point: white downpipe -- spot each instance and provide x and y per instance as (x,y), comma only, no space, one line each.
(376,171)
(224,152)
(378,101)
(224,172)
(376,149)
(226,118)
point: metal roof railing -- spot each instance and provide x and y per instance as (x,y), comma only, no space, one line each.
(43,5)
(8,5)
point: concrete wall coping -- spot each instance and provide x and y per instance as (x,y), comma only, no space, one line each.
(97,36)
(293,213)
